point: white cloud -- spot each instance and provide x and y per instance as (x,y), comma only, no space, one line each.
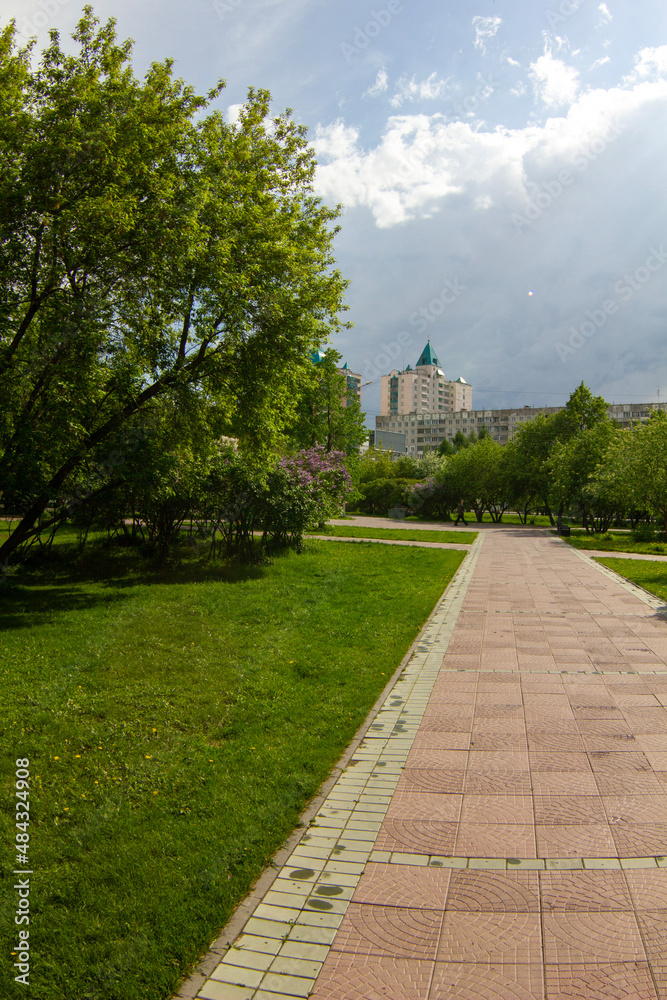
(233,113)
(651,62)
(513,62)
(380,86)
(421,160)
(485,27)
(555,83)
(601,62)
(430,89)
(605,15)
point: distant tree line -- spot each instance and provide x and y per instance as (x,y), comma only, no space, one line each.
(576,462)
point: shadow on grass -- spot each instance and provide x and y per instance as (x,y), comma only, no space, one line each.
(61,580)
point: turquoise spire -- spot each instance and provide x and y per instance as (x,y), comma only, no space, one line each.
(427,356)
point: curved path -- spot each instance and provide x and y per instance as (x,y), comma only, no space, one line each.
(500,833)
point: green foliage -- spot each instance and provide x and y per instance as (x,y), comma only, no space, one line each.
(380,495)
(148,250)
(634,470)
(321,418)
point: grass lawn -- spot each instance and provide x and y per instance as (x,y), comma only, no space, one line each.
(399,534)
(612,542)
(176,725)
(541,520)
(650,575)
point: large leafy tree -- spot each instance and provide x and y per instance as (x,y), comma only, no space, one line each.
(633,473)
(148,250)
(328,413)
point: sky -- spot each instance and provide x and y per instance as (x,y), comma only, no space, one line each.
(501,166)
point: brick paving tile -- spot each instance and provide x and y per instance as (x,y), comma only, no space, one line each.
(585,892)
(648,889)
(603,936)
(482,981)
(523,851)
(494,892)
(403,932)
(584,840)
(472,936)
(403,886)
(616,981)
(372,977)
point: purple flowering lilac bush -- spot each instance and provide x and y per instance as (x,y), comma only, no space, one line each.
(303,490)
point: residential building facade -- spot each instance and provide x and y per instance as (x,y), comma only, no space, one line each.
(425,431)
(423,389)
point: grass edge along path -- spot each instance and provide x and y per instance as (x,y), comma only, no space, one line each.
(615,543)
(400,534)
(649,574)
(176,732)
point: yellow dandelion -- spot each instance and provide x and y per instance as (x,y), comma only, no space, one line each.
(77,754)
(154,793)
(147,756)
(56,758)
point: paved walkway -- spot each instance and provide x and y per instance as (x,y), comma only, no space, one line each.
(499,834)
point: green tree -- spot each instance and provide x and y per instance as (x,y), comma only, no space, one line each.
(327,413)
(476,475)
(634,469)
(147,248)
(574,465)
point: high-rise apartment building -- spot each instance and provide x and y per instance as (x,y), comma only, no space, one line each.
(423,389)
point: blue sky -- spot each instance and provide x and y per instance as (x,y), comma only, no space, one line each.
(501,164)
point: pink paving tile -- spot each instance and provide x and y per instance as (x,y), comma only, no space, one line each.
(389,930)
(372,977)
(543,761)
(432,780)
(640,841)
(648,888)
(584,891)
(510,741)
(636,809)
(574,938)
(451,760)
(416,805)
(541,739)
(470,936)
(427,740)
(615,981)
(653,926)
(613,763)
(494,891)
(550,783)
(568,810)
(498,761)
(486,809)
(592,840)
(631,783)
(652,741)
(494,783)
(498,727)
(499,840)
(404,886)
(457,981)
(417,837)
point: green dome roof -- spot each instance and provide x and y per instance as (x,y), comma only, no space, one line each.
(427,357)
